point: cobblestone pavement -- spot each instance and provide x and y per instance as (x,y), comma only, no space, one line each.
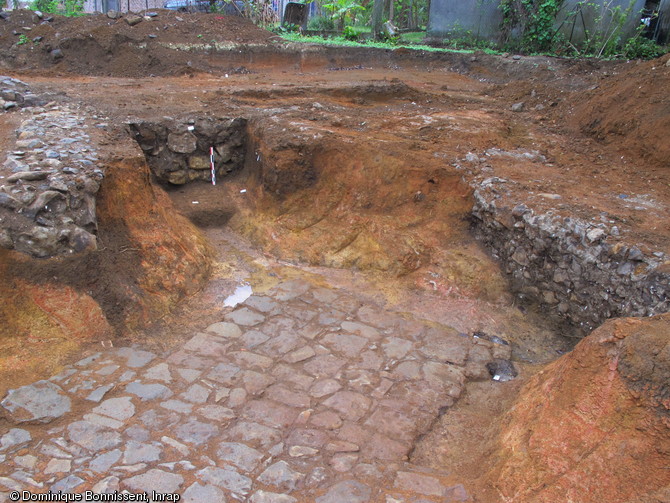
(302,394)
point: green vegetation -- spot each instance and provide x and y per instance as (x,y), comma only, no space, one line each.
(321,23)
(343,11)
(64,7)
(642,48)
(529,26)
(23,39)
(533,19)
(341,41)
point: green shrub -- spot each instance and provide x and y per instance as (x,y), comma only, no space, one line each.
(350,33)
(643,48)
(321,23)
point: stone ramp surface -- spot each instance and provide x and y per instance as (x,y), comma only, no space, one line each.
(302,394)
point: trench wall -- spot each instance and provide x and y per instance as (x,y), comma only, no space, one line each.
(572,267)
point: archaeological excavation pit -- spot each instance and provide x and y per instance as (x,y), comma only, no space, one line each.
(397,290)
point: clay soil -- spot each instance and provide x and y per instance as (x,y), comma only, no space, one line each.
(599,129)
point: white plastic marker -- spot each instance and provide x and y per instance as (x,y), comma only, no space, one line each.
(211,162)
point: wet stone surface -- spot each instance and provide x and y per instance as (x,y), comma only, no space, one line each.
(285,399)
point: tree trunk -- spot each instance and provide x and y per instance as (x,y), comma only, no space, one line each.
(377,17)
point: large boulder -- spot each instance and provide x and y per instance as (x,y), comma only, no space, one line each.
(594,425)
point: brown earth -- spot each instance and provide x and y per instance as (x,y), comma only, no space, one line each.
(358,161)
(149,258)
(98,45)
(595,424)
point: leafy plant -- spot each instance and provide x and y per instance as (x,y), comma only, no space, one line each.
(642,48)
(286,28)
(321,23)
(603,36)
(533,20)
(350,33)
(341,10)
(73,7)
(23,39)
(50,6)
(66,8)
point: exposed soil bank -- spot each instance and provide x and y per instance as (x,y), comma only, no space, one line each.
(149,259)
(595,424)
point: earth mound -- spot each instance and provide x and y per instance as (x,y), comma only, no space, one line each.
(593,425)
(99,45)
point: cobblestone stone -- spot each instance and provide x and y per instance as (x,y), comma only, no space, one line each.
(41,402)
(198,493)
(278,403)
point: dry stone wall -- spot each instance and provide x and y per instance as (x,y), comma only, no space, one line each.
(179,152)
(574,268)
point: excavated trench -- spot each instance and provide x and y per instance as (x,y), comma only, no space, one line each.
(485,283)
(418,237)
(307,199)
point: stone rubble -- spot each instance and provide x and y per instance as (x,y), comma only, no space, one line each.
(48,184)
(325,406)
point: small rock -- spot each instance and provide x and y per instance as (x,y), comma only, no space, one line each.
(226,478)
(299,451)
(136,357)
(107,485)
(501,370)
(240,455)
(419,483)
(282,476)
(93,437)
(148,391)
(132,19)
(595,234)
(28,461)
(151,14)
(112,14)
(516,57)
(104,462)
(56,54)
(518,107)
(7,201)
(137,452)
(261,496)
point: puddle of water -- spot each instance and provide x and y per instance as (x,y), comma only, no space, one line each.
(242,293)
